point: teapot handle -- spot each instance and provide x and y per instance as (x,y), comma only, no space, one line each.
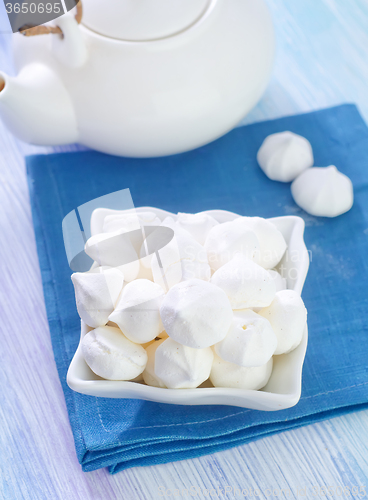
(47,30)
(69,46)
(70,49)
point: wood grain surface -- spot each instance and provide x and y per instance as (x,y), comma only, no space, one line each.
(321,61)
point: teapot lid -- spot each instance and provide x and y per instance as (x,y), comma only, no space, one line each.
(141,20)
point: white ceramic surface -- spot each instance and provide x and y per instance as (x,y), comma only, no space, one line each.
(141,20)
(141,98)
(284,387)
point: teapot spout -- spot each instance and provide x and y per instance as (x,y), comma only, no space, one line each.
(37,108)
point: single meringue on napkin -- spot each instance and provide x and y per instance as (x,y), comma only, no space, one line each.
(323,191)
(245,283)
(115,250)
(288,317)
(198,225)
(149,375)
(196,313)
(138,311)
(283,156)
(96,293)
(129,221)
(111,355)
(182,367)
(227,239)
(225,374)
(249,342)
(272,244)
(182,259)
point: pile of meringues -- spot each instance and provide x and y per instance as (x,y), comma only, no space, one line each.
(210,305)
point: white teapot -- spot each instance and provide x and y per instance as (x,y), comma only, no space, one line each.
(140,78)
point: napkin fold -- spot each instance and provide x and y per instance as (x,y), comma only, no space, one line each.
(122,433)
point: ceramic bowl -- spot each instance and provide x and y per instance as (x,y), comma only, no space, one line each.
(284,387)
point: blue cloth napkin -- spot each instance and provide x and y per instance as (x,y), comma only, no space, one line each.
(126,433)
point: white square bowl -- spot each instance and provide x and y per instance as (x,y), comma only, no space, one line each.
(284,387)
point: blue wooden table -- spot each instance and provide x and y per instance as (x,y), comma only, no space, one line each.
(321,61)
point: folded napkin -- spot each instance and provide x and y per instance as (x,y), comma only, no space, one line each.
(122,433)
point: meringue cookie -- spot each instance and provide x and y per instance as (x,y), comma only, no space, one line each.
(163,335)
(227,239)
(135,224)
(324,192)
(225,374)
(111,355)
(149,375)
(145,272)
(96,293)
(182,259)
(288,317)
(147,344)
(137,312)
(114,250)
(272,244)
(245,283)
(182,367)
(280,282)
(129,221)
(198,225)
(283,156)
(155,239)
(165,267)
(249,342)
(196,313)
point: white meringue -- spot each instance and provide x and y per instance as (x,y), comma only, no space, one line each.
(196,313)
(182,367)
(149,375)
(198,225)
(280,281)
(227,239)
(288,317)
(272,244)
(96,293)
(324,192)
(245,283)
(111,355)
(225,374)
(114,250)
(129,221)
(249,342)
(283,156)
(145,272)
(137,312)
(182,259)
(160,336)
(139,378)
(155,239)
